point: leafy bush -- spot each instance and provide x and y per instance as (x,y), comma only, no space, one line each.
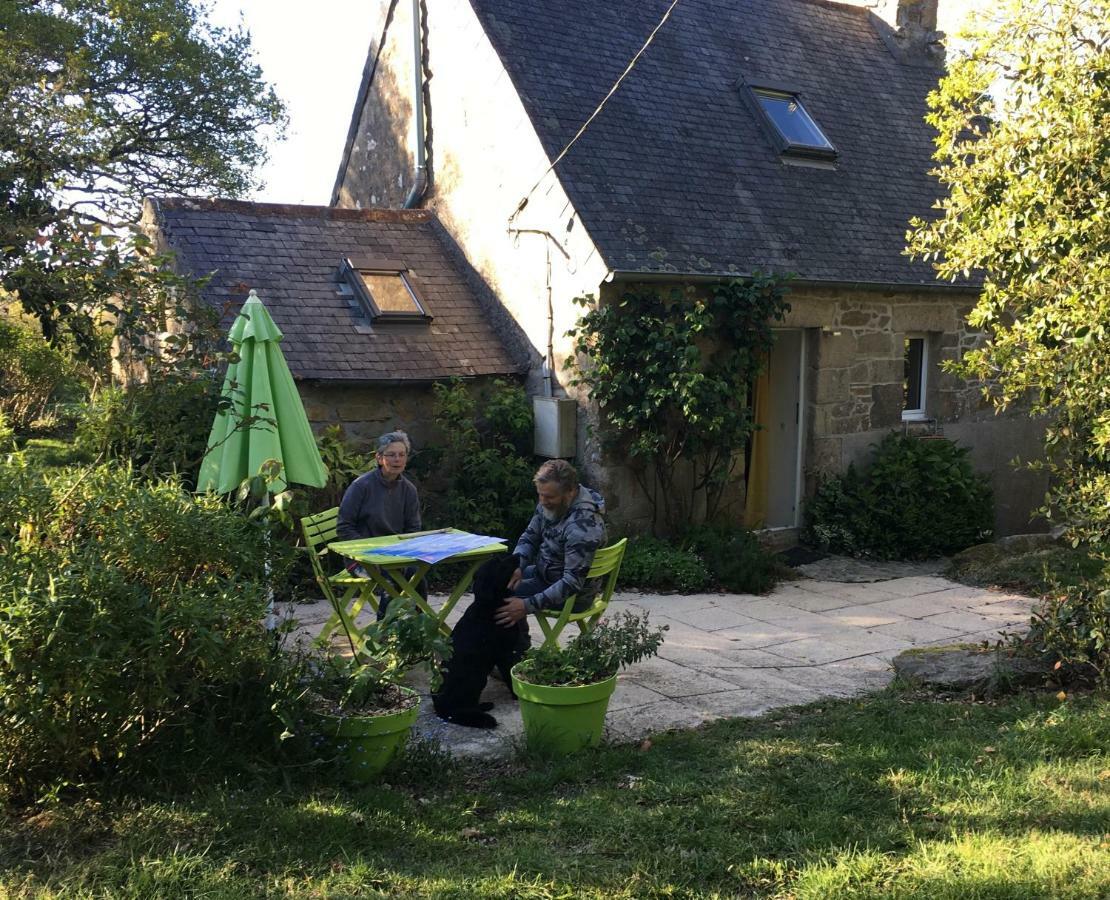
(130,635)
(735,559)
(160,427)
(1072,626)
(918,499)
(594,655)
(7,434)
(344,465)
(32,373)
(478,479)
(654,564)
(392,646)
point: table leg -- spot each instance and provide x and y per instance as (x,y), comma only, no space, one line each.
(461,588)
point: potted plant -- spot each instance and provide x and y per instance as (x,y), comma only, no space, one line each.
(564,691)
(363,709)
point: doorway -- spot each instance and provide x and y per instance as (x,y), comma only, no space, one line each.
(783,430)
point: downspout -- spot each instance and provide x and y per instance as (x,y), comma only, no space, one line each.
(549,360)
(420,185)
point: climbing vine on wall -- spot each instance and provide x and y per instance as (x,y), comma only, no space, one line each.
(671,372)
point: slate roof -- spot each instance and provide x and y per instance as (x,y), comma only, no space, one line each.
(677,172)
(290,255)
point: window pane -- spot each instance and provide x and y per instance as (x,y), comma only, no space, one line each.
(792,121)
(912,384)
(390,293)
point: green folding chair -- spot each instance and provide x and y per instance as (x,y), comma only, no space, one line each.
(347,593)
(607,564)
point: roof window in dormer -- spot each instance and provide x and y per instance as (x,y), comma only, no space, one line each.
(386,291)
(790,125)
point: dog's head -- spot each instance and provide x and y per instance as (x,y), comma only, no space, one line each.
(491,583)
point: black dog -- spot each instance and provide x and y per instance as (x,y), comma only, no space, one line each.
(479,644)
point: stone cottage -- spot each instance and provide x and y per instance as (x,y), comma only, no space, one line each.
(560,148)
(771,135)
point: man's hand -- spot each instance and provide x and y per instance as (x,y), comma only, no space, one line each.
(515,578)
(510,613)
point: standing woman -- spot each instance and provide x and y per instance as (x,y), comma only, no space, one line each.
(381,502)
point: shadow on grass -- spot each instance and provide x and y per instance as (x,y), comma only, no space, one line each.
(821,800)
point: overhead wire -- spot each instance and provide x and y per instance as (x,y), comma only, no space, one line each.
(651,37)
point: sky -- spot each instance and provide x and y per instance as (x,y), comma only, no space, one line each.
(313,53)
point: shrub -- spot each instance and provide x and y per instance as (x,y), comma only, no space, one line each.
(918,499)
(478,479)
(1072,626)
(653,564)
(594,655)
(32,373)
(344,465)
(130,636)
(160,428)
(735,559)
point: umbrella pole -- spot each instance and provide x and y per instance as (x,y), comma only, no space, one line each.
(271,620)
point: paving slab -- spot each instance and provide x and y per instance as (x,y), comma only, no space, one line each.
(864,616)
(731,655)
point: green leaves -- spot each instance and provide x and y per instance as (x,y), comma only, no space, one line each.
(103,103)
(1027,207)
(594,655)
(671,372)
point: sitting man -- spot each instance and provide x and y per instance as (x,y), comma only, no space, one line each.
(549,564)
(557,548)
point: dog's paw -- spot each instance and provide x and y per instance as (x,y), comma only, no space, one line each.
(470,718)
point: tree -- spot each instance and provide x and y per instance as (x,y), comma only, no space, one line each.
(103,102)
(1023,148)
(671,373)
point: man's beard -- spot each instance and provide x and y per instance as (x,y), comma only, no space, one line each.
(553,515)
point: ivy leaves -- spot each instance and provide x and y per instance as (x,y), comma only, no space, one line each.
(671,372)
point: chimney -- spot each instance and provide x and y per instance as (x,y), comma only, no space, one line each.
(911,31)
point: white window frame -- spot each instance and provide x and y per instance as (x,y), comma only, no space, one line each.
(917,415)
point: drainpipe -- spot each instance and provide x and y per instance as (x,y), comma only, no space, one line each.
(420,186)
(549,361)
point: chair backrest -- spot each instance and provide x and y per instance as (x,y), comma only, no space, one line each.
(607,561)
(319,530)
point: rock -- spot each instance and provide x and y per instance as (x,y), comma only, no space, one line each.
(967,668)
(1025,543)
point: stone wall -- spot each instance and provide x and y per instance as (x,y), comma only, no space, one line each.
(485,159)
(855,390)
(365,412)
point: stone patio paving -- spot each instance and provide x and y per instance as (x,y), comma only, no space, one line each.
(729,655)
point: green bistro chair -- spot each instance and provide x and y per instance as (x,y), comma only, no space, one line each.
(607,564)
(347,593)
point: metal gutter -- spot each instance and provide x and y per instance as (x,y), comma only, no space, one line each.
(624,276)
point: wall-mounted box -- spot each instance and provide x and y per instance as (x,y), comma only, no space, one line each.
(556,420)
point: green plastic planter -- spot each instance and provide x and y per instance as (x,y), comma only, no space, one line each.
(365,745)
(562,720)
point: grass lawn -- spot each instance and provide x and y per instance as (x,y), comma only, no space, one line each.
(894,796)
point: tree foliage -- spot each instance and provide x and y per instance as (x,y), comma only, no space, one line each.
(1024,152)
(103,102)
(671,372)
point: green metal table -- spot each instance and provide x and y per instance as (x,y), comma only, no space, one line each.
(388,572)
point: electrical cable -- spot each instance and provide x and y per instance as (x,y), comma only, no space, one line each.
(523,203)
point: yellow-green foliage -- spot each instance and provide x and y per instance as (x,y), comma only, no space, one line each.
(1023,151)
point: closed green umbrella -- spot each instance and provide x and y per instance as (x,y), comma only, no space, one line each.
(266,419)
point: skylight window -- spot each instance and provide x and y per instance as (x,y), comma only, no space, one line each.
(790,125)
(386,291)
